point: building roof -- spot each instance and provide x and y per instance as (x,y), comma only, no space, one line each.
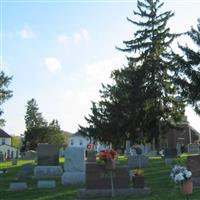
(3,134)
(7,146)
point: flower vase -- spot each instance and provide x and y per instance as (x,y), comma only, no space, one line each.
(186,187)
(110,164)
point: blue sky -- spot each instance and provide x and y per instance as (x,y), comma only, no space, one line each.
(59,53)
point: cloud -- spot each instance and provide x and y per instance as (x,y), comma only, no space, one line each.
(62,39)
(52,64)
(77,37)
(81,36)
(99,72)
(85,34)
(26,32)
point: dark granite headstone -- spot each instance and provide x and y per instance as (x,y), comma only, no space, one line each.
(91,156)
(138,161)
(193,164)
(119,151)
(99,178)
(48,154)
(170,152)
(25,171)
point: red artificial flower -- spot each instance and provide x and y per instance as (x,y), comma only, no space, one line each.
(108,155)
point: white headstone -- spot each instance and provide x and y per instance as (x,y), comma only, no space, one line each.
(74,159)
(74,166)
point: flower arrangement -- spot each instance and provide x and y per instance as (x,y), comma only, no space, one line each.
(138,172)
(180,174)
(108,155)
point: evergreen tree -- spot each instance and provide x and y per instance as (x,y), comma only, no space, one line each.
(54,125)
(142,103)
(189,65)
(33,118)
(38,130)
(5,93)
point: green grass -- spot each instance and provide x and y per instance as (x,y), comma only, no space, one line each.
(156,177)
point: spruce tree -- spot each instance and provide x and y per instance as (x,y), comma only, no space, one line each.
(33,118)
(188,78)
(143,98)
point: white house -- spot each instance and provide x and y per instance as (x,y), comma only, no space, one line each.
(6,150)
(77,140)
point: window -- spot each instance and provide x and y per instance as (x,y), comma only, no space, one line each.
(3,141)
(81,142)
(72,142)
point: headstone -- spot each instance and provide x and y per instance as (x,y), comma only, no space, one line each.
(18,186)
(91,156)
(128,145)
(25,171)
(74,166)
(193,148)
(29,155)
(138,150)
(152,153)
(170,152)
(139,161)
(178,148)
(147,148)
(48,154)
(46,184)
(14,161)
(106,193)
(133,152)
(47,171)
(74,159)
(48,161)
(99,178)
(142,147)
(193,164)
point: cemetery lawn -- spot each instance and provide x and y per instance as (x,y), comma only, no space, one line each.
(156,177)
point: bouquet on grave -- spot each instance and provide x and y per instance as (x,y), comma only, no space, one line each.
(108,155)
(180,174)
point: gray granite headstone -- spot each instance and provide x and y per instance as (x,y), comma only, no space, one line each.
(139,161)
(193,148)
(47,171)
(18,186)
(48,154)
(74,166)
(128,146)
(46,184)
